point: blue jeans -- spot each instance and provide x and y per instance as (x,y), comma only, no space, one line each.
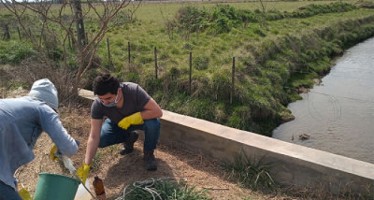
(8,193)
(112,134)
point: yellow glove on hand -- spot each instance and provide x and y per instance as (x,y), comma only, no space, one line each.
(134,119)
(82,172)
(52,153)
(24,194)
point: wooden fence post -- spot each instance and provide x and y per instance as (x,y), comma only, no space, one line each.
(190,75)
(232,81)
(6,34)
(129,51)
(156,67)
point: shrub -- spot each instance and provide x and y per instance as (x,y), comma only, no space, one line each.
(191,19)
(247,16)
(313,9)
(14,52)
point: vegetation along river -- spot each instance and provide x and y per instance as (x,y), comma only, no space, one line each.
(338,114)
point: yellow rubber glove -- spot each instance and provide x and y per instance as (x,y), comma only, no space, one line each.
(52,153)
(82,172)
(134,119)
(24,194)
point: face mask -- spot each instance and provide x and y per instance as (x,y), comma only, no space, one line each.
(111,104)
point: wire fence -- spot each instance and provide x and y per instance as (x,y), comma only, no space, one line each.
(12,31)
(130,62)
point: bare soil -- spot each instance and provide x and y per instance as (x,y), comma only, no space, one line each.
(119,171)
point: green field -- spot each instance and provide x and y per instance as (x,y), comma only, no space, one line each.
(279,48)
(157,12)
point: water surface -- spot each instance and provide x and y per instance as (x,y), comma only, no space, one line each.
(338,114)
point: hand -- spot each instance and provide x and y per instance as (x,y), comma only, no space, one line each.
(134,119)
(24,194)
(53,153)
(82,172)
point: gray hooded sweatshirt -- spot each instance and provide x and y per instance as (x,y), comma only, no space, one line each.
(22,121)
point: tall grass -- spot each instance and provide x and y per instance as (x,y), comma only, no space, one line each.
(162,189)
(13,52)
(251,173)
(277,50)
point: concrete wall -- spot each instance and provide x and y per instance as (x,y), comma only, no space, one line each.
(292,164)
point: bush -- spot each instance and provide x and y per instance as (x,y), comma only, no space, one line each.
(313,9)
(13,52)
(191,19)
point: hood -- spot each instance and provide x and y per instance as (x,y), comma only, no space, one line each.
(44,90)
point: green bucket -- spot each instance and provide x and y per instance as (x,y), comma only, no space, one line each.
(56,187)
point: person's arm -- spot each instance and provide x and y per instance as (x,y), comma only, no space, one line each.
(151,110)
(93,140)
(52,125)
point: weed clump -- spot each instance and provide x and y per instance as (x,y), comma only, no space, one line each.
(162,189)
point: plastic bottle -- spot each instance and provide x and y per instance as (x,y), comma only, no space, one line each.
(68,164)
(82,193)
(99,188)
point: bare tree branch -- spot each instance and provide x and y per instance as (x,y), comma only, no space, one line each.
(52,24)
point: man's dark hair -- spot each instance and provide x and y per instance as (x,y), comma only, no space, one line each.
(104,84)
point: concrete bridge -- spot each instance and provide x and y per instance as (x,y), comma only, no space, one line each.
(292,165)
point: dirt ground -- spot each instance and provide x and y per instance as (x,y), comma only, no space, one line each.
(119,171)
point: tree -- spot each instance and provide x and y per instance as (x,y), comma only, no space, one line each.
(49,27)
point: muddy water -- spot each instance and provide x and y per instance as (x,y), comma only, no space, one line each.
(338,114)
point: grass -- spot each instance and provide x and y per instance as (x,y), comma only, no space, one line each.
(220,49)
(275,55)
(159,12)
(257,175)
(162,189)
(14,52)
(251,173)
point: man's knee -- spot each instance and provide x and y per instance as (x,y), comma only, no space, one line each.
(152,124)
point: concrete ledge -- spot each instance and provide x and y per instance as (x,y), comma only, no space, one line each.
(292,164)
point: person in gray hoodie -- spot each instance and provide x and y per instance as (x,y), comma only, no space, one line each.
(22,121)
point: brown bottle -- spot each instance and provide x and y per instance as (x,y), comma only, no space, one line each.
(99,188)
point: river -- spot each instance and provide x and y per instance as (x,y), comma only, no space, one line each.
(338,114)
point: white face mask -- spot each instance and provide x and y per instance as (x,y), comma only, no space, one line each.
(112,104)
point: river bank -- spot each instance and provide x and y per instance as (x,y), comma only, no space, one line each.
(337,113)
(277,53)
